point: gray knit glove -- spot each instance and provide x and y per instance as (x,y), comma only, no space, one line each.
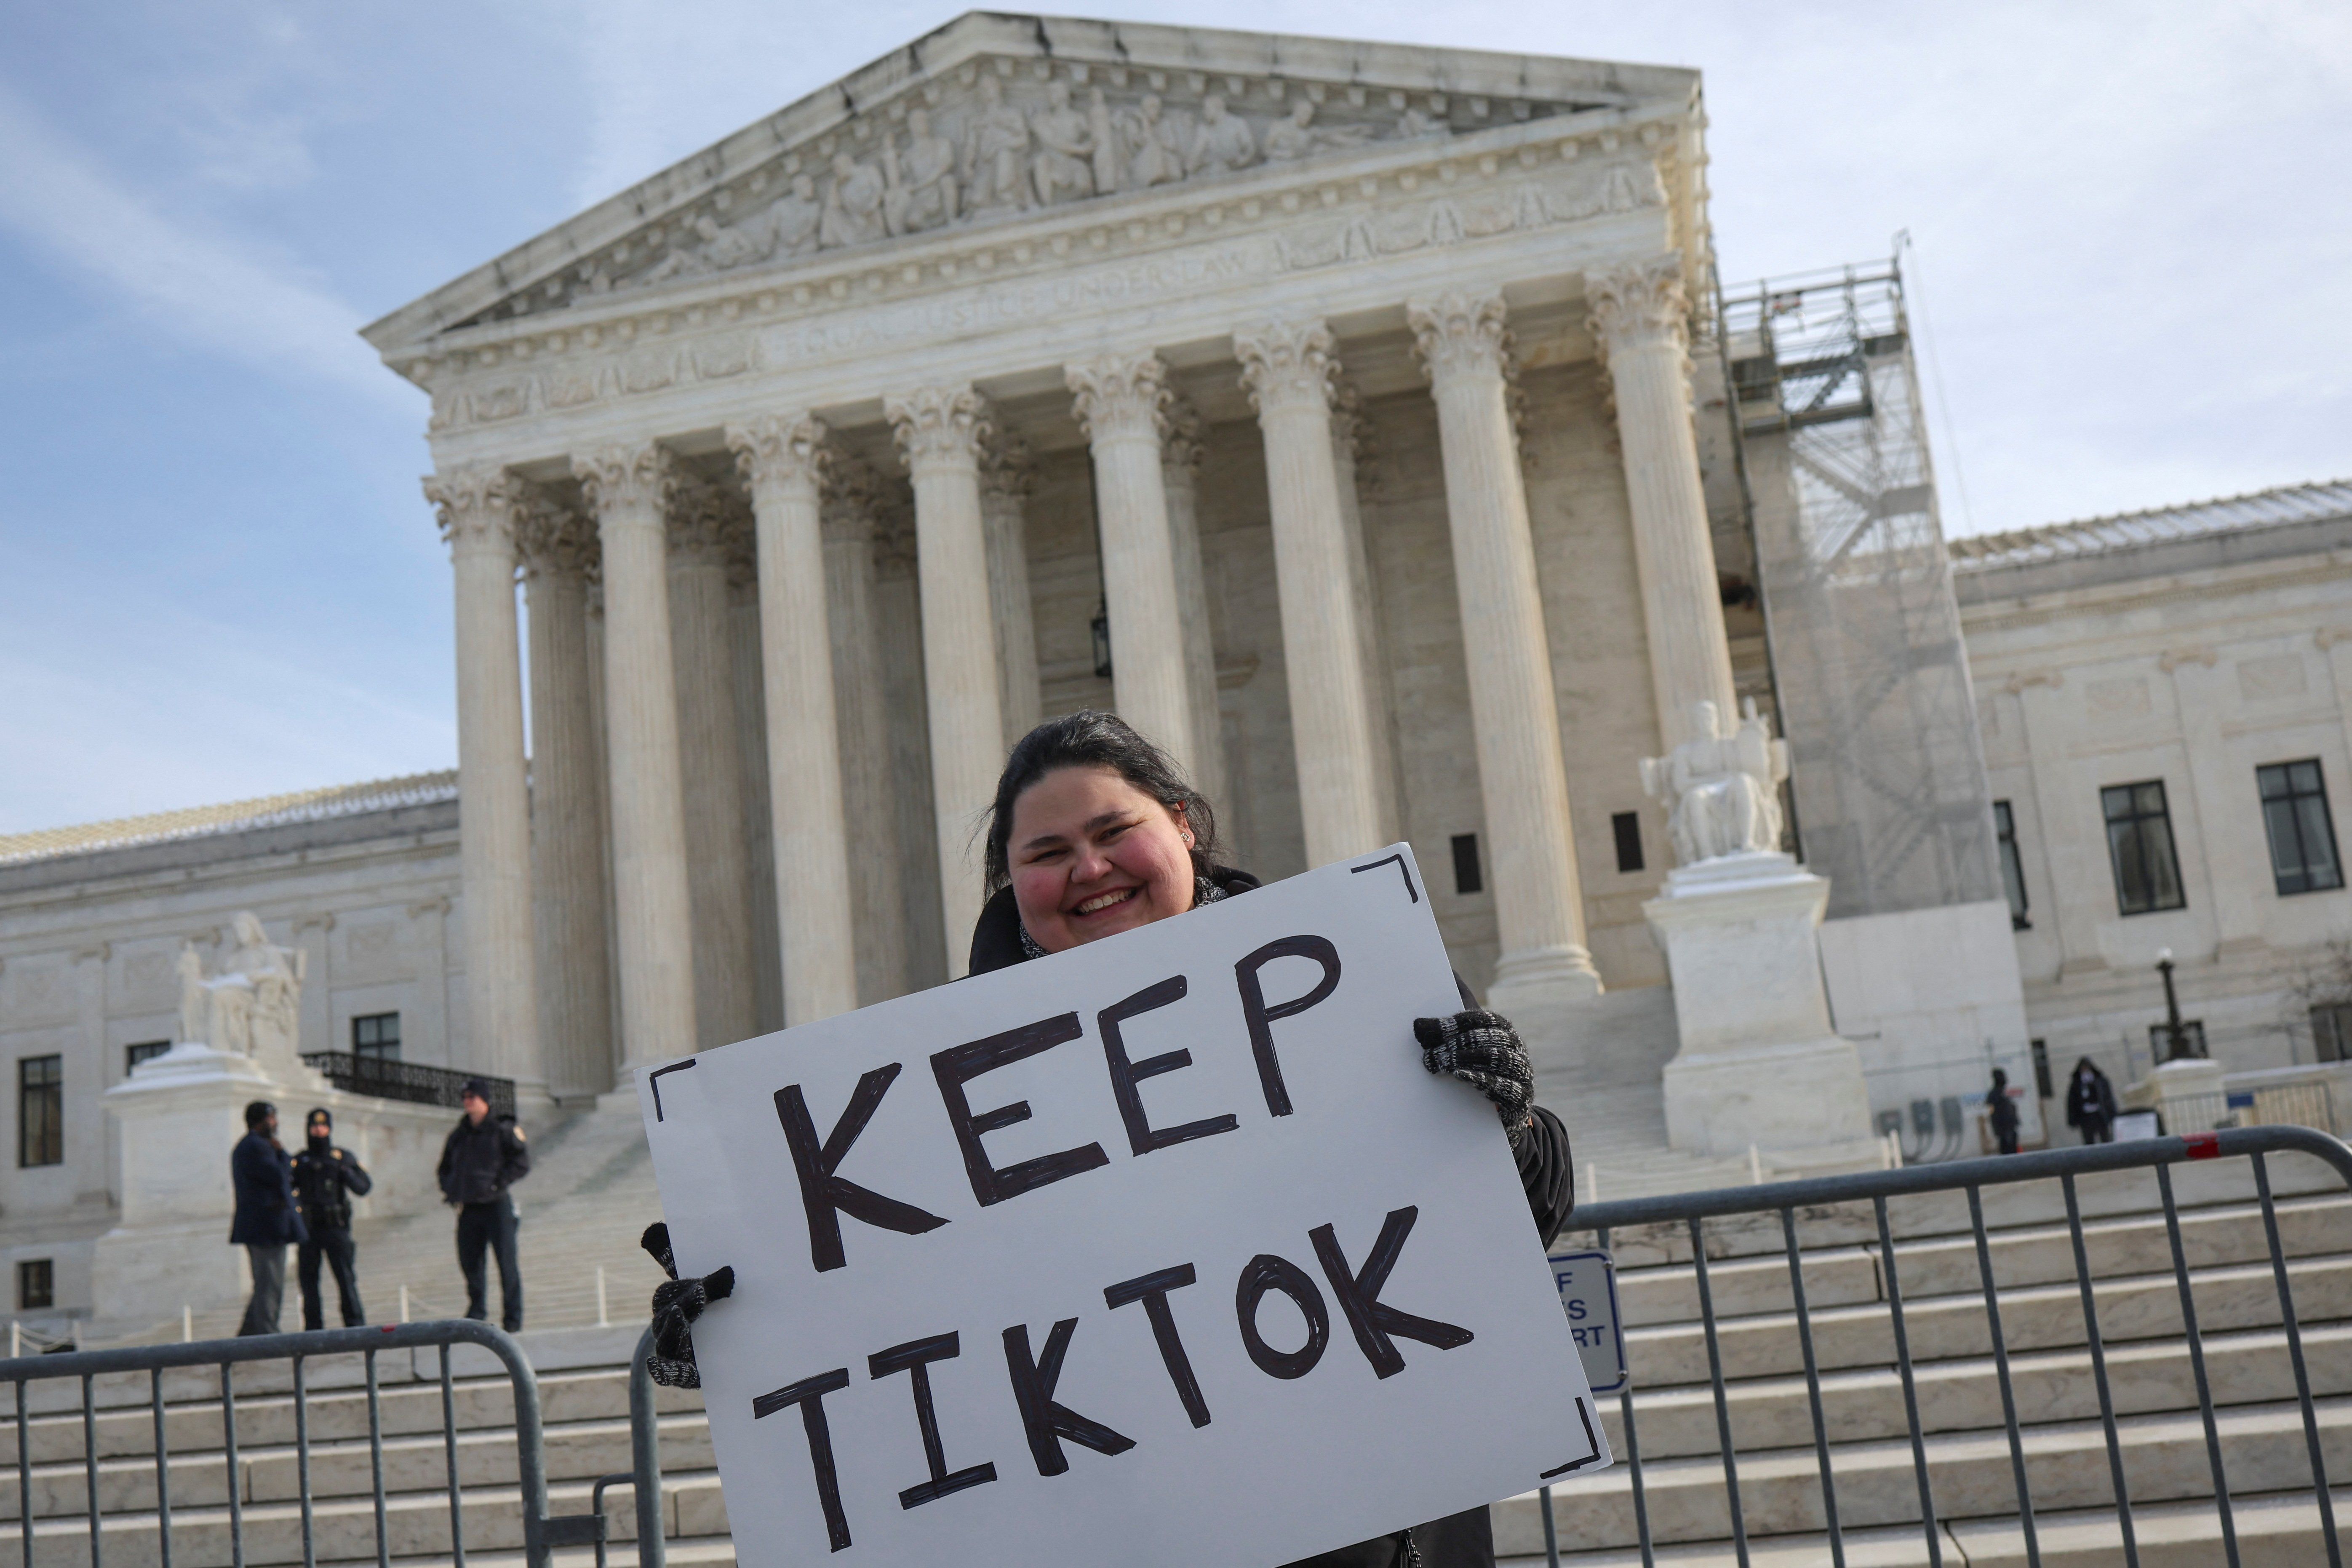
(677,1304)
(1483,1050)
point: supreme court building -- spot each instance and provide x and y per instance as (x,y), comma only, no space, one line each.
(1325,408)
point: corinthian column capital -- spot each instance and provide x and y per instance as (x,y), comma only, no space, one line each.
(475,507)
(1459,336)
(1180,454)
(1287,364)
(554,540)
(624,475)
(706,521)
(780,448)
(939,426)
(1638,303)
(1006,472)
(847,501)
(1120,396)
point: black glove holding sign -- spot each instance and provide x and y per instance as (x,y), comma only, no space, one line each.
(677,1304)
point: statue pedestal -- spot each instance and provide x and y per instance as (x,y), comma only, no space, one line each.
(2188,1093)
(1759,1063)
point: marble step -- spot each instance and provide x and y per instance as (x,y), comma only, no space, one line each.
(2273,1533)
(2066,1462)
(1947,1266)
(2042,1317)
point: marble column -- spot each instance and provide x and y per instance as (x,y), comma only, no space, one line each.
(1639,316)
(476,514)
(1522,781)
(1351,445)
(941,432)
(1006,480)
(1118,400)
(783,459)
(629,489)
(702,518)
(868,786)
(1287,368)
(567,839)
(752,742)
(1180,476)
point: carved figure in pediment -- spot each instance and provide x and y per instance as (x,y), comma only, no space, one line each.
(922,178)
(1223,140)
(1413,123)
(1296,134)
(679,261)
(793,217)
(1106,141)
(1154,142)
(1064,167)
(853,206)
(996,152)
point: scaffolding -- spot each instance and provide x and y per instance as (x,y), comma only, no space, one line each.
(1887,772)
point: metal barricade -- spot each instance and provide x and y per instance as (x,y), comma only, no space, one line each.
(541,1532)
(1786,1201)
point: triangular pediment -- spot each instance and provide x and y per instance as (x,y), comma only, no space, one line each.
(995,118)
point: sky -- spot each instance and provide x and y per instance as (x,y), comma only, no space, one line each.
(2131,268)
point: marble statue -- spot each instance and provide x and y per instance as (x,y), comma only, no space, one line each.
(853,206)
(794,218)
(1296,135)
(1223,142)
(1154,142)
(995,150)
(1721,787)
(1106,139)
(1064,166)
(254,1006)
(922,179)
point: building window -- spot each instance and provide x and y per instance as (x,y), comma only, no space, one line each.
(376,1035)
(2041,1070)
(36,1284)
(2013,869)
(2192,1039)
(2331,1031)
(1469,877)
(2303,839)
(1627,826)
(40,1110)
(2140,842)
(133,1055)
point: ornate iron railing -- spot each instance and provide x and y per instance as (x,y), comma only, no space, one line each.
(411,1081)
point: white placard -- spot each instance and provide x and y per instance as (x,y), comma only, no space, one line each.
(1019,1332)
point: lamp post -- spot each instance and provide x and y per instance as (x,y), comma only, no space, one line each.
(2174,1049)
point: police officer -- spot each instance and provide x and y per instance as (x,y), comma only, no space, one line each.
(486,1156)
(326,1179)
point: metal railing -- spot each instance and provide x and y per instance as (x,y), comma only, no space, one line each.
(2271,1105)
(541,1532)
(388,1078)
(1788,1201)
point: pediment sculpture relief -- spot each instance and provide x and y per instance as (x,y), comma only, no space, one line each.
(992,143)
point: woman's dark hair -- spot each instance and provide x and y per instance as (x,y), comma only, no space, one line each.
(1092,739)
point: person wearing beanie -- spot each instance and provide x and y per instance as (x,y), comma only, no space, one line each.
(326,1179)
(486,1154)
(266,1221)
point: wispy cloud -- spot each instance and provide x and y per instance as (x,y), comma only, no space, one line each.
(205,287)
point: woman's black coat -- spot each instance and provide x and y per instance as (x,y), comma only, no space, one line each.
(2091,1099)
(1546,1173)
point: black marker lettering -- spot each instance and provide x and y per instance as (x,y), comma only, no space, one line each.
(914,1359)
(1141,1136)
(1046,1422)
(1359,1296)
(1260,1017)
(1266,1272)
(958,1066)
(809,1395)
(827,1196)
(1151,1290)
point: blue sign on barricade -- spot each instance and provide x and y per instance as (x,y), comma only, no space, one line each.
(1588,1294)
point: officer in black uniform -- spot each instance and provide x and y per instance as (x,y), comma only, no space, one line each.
(486,1156)
(326,1179)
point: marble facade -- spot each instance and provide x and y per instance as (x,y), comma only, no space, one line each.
(1238,342)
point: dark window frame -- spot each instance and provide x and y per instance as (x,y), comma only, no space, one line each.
(37,1276)
(2012,865)
(2305,817)
(40,1111)
(1625,826)
(2331,1031)
(141,1050)
(1469,869)
(372,1043)
(2141,848)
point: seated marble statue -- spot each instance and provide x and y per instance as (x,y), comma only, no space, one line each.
(1721,787)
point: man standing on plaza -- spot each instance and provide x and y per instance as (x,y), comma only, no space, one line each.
(266,1221)
(326,1179)
(486,1156)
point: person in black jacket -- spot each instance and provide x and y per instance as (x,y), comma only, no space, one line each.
(266,1221)
(1095,832)
(2091,1103)
(326,1179)
(2001,1112)
(485,1155)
